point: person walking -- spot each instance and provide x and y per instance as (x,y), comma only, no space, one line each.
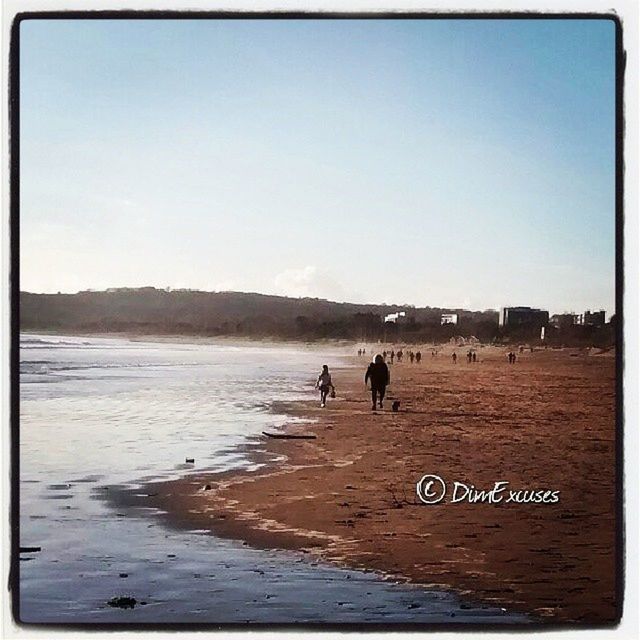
(378,374)
(325,384)
(418,357)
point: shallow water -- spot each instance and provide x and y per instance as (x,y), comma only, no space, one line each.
(104,411)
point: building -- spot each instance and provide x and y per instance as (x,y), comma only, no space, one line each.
(449,318)
(396,318)
(563,320)
(522,316)
(592,319)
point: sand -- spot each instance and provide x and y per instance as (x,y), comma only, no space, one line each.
(349,496)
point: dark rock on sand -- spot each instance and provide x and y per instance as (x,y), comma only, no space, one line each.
(122,602)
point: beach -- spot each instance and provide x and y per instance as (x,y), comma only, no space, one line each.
(348,496)
(102,417)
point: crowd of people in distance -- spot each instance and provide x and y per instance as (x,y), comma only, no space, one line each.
(416,357)
(472,356)
(399,355)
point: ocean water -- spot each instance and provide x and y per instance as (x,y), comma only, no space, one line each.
(97,412)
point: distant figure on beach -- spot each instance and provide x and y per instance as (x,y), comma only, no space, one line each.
(418,357)
(474,356)
(400,354)
(324,384)
(359,352)
(378,374)
(393,355)
(512,357)
(412,356)
(469,356)
(454,357)
(384,356)
(521,348)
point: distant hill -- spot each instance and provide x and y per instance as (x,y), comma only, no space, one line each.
(156,311)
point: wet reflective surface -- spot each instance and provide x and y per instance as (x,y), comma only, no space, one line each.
(98,412)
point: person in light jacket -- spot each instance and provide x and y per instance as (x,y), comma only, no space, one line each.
(324,384)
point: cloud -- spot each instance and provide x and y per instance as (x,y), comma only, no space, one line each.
(309,281)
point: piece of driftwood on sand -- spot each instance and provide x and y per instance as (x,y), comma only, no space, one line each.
(286,436)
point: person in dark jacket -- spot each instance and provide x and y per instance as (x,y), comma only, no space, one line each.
(378,374)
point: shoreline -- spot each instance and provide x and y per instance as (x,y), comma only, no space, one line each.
(307,344)
(199,339)
(347,497)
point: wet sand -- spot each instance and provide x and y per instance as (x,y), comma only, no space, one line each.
(547,422)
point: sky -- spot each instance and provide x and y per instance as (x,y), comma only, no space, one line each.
(451,163)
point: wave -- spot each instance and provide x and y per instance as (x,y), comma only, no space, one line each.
(31,341)
(49,366)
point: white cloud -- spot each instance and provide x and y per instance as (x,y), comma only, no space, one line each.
(309,281)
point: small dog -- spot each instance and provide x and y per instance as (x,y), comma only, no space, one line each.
(395,407)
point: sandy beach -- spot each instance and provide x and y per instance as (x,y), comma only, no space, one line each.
(349,496)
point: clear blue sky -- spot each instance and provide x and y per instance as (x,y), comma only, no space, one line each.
(449,163)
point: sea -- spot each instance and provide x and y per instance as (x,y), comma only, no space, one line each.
(97,412)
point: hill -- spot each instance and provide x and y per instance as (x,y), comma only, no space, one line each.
(149,310)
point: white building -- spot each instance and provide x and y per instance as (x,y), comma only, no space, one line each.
(449,318)
(395,317)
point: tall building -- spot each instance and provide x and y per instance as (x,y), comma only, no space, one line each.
(563,320)
(592,319)
(519,316)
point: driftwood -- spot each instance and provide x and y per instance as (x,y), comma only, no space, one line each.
(284,436)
